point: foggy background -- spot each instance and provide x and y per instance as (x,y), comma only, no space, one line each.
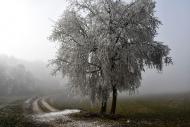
(26,24)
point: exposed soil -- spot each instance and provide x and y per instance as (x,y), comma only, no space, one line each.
(45,114)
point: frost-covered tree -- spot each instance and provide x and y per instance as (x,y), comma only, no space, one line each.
(76,56)
(106,44)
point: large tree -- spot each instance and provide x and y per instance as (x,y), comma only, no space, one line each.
(105,45)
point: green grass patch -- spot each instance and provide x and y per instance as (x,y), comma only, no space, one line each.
(155,111)
(13,115)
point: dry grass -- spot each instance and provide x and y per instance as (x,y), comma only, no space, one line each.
(154,111)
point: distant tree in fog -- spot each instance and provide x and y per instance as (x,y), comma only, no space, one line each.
(105,45)
(16,80)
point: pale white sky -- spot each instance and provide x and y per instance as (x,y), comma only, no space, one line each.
(25,26)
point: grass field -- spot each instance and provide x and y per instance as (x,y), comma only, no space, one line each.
(145,111)
(151,111)
(12,113)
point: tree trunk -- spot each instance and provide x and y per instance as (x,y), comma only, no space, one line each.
(103,107)
(114,100)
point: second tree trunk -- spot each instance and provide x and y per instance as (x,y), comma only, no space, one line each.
(114,100)
(103,107)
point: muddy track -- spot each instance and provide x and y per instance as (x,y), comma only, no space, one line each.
(39,106)
(45,113)
(35,107)
(48,106)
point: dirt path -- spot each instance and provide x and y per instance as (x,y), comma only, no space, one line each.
(56,118)
(48,107)
(35,107)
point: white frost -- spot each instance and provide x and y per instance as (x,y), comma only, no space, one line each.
(54,115)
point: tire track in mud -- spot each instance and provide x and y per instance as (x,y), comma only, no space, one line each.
(45,113)
(39,104)
(48,106)
(35,106)
(56,118)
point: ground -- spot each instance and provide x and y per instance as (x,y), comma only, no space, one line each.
(44,113)
(147,111)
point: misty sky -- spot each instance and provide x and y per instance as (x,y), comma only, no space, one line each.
(175,17)
(25,26)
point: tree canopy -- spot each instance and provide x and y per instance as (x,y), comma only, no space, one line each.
(104,45)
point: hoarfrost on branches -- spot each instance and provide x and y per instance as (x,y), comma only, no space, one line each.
(106,44)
